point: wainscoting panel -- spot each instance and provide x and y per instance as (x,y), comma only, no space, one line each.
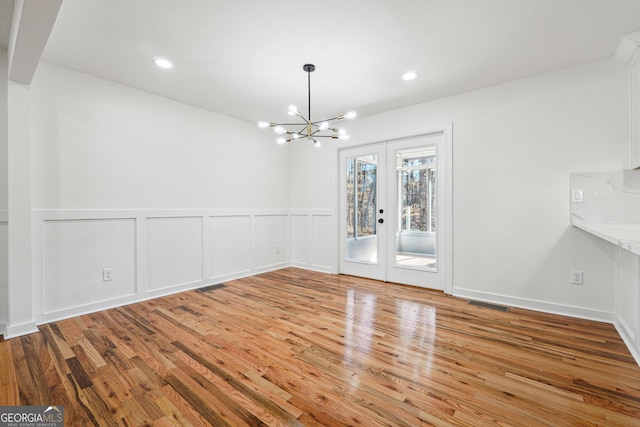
(312,240)
(159,252)
(174,251)
(323,243)
(75,254)
(231,251)
(271,237)
(300,239)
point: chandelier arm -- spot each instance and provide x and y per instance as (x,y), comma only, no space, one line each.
(289,124)
(328,120)
(303,118)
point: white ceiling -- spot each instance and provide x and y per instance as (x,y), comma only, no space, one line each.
(244,58)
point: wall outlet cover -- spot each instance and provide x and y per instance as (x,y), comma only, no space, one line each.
(577,195)
(107,274)
(576,277)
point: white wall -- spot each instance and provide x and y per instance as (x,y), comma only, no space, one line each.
(514,146)
(170,196)
(101,145)
(3,191)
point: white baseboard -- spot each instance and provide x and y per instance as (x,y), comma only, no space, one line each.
(13,331)
(545,307)
(132,299)
(310,267)
(628,340)
(266,268)
(620,323)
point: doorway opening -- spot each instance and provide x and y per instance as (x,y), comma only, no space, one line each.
(394,222)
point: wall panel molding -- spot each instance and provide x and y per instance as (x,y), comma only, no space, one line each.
(175,251)
(312,245)
(172,250)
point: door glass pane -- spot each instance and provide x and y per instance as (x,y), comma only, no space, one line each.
(417,207)
(362,239)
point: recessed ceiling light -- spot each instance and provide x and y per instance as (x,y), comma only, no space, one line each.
(409,75)
(162,62)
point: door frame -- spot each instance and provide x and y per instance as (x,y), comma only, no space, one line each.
(446,226)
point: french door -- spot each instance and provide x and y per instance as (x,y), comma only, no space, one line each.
(393,211)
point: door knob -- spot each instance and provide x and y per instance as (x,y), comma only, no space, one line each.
(381,211)
(381,220)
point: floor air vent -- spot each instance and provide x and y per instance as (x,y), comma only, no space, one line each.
(489,305)
(211,287)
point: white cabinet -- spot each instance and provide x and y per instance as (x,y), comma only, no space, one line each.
(629,51)
(634,118)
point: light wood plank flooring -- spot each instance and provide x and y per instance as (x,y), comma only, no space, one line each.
(294,347)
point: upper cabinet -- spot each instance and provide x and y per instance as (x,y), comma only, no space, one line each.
(634,109)
(629,50)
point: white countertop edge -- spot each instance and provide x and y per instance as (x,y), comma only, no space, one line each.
(626,236)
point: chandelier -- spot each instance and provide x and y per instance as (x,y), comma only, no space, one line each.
(308,129)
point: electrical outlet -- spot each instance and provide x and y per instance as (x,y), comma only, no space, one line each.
(577,195)
(277,249)
(107,274)
(576,277)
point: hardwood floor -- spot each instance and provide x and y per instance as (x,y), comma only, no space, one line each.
(294,347)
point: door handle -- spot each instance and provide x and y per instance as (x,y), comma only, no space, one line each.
(381,220)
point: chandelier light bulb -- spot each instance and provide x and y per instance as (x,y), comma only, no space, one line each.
(263,125)
(279,130)
(293,110)
(350,115)
(343,137)
(316,144)
(296,136)
(323,126)
(342,132)
(281,140)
